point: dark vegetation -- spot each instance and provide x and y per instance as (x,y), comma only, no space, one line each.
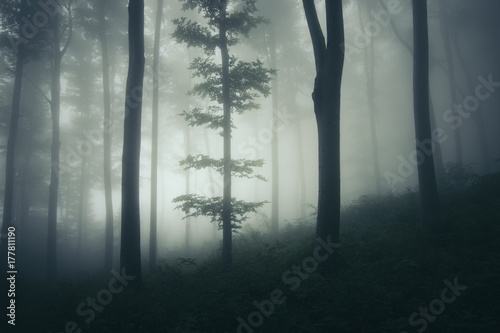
(390,265)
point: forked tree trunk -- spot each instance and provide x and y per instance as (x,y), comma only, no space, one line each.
(329,59)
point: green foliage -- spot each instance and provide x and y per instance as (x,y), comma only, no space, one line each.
(194,205)
(237,22)
(242,168)
(246,80)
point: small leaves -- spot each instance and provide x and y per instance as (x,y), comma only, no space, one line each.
(194,205)
(241,168)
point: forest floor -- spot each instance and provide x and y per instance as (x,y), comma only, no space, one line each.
(392,275)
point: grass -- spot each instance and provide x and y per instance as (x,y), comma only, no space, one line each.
(390,267)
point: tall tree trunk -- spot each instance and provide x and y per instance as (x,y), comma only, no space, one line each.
(451,76)
(426,173)
(109,242)
(226,200)
(154,142)
(54,176)
(329,59)
(187,184)
(130,252)
(274,142)
(10,172)
(370,81)
(478,117)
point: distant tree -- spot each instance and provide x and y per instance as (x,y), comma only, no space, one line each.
(329,59)
(62,30)
(370,81)
(426,173)
(154,143)
(233,84)
(130,253)
(10,172)
(438,156)
(109,243)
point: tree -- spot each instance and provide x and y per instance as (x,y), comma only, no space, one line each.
(55,110)
(8,203)
(130,252)
(154,143)
(109,243)
(232,83)
(370,80)
(329,59)
(426,173)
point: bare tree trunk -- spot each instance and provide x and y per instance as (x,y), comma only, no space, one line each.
(370,81)
(130,252)
(108,191)
(10,171)
(451,76)
(154,142)
(274,142)
(478,116)
(426,173)
(54,176)
(329,59)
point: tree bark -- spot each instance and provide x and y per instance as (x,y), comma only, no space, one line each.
(329,60)
(154,142)
(426,172)
(130,252)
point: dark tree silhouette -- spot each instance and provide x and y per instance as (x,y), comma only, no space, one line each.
(130,252)
(426,173)
(329,59)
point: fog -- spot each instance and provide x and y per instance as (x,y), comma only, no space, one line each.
(377,129)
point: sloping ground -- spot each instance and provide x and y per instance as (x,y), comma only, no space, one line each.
(392,276)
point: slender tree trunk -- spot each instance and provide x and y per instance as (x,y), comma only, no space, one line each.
(54,176)
(370,80)
(109,243)
(130,252)
(82,210)
(226,200)
(329,59)
(451,76)
(274,142)
(478,117)
(187,184)
(10,172)
(426,173)
(154,142)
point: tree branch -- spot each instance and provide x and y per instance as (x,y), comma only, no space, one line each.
(317,37)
